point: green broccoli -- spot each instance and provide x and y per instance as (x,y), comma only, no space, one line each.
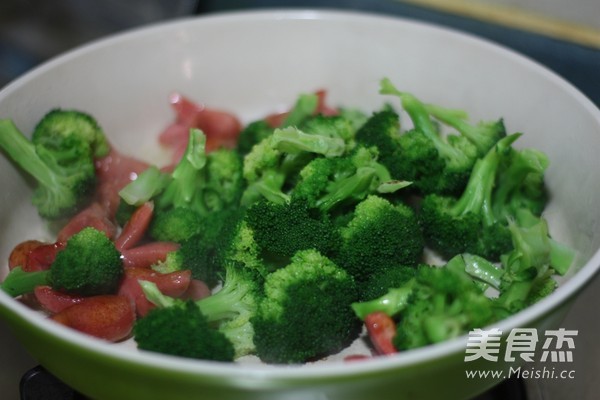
(272,165)
(382,130)
(468,224)
(484,135)
(182,330)
(380,235)
(202,182)
(434,165)
(204,252)
(437,304)
(529,267)
(58,125)
(252,134)
(379,282)
(304,107)
(228,311)
(305,312)
(280,230)
(330,183)
(176,224)
(63,169)
(88,265)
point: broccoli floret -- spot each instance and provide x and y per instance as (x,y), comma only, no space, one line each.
(441,306)
(280,230)
(182,330)
(521,184)
(252,134)
(305,312)
(228,311)
(272,165)
(445,172)
(58,125)
(380,235)
(340,126)
(176,225)
(467,224)
(379,282)
(529,267)
(88,265)
(204,252)
(382,130)
(63,170)
(342,182)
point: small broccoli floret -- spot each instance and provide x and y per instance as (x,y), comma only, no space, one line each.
(280,230)
(382,130)
(380,235)
(330,183)
(88,265)
(530,266)
(445,173)
(252,134)
(442,305)
(521,184)
(182,330)
(305,312)
(176,225)
(467,224)
(340,126)
(63,170)
(58,125)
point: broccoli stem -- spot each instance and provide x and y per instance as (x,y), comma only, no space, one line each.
(477,196)
(305,106)
(391,303)
(23,152)
(147,185)
(20,282)
(182,188)
(456,119)
(345,188)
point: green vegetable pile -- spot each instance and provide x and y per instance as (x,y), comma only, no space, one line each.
(307,228)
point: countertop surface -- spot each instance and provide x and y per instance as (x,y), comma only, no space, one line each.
(578,64)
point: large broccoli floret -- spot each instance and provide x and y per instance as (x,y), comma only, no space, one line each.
(204,252)
(63,169)
(380,235)
(88,265)
(305,312)
(280,230)
(182,330)
(272,165)
(467,224)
